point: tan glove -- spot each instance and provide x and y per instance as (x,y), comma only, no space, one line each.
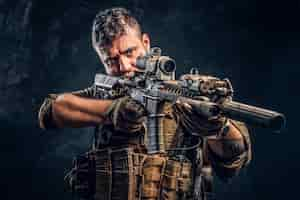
(126,114)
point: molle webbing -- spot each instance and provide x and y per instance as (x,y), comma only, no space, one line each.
(127,174)
(117,174)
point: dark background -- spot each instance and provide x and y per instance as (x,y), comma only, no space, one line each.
(45,48)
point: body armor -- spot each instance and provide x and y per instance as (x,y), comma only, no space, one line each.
(119,168)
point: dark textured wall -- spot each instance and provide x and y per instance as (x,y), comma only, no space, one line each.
(45,48)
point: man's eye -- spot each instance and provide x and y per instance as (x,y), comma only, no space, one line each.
(129,53)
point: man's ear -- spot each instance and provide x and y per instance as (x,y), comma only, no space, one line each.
(146,41)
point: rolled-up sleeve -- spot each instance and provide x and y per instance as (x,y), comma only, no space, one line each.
(45,112)
(226,168)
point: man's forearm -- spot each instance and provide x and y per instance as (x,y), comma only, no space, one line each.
(72,111)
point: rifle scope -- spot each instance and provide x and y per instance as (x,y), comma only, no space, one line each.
(154,63)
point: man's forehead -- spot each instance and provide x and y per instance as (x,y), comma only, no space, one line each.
(120,44)
(109,51)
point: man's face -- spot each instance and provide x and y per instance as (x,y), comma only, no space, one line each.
(120,58)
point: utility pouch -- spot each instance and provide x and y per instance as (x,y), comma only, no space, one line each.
(152,170)
(107,174)
(177,180)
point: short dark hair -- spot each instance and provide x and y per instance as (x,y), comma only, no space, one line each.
(110,24)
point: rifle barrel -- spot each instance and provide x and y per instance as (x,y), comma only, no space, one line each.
(253,115)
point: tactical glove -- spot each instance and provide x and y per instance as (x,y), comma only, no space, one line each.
(126,115)
(196,123)
(204,122)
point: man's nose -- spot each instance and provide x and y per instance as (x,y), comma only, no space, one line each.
(125,64)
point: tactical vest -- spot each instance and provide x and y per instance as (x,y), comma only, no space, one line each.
(119,168)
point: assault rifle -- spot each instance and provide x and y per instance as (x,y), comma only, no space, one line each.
(156,85)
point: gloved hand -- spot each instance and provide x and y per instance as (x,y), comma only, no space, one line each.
(204,122)
(196,123)
(126,114)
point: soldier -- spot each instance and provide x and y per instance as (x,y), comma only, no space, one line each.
(195,145)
